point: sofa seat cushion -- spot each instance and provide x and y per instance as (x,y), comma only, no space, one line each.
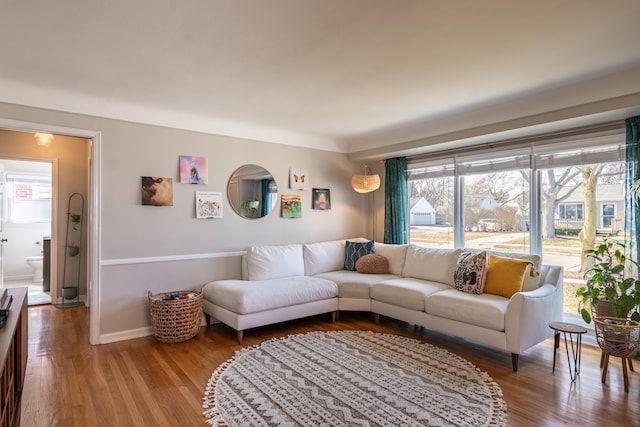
(486,310)
(406,292)
(244,296)
(352,284)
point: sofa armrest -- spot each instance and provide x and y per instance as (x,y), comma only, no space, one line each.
(528,315)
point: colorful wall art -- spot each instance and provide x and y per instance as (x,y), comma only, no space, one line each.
(208,204)
(156,191)
(291,206)
(193,170)
(321,199)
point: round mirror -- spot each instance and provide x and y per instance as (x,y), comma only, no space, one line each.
(252,191)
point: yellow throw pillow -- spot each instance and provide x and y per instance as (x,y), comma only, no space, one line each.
(505,275)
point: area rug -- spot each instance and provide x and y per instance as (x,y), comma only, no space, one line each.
(351,378)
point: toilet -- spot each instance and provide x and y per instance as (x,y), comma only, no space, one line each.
(35,262)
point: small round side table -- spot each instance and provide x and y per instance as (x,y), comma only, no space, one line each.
(571,330)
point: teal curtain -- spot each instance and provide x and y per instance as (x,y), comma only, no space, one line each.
(395,201)
(632,215)
(265,206)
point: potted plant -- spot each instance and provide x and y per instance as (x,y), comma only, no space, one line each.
(249,206)
(73,249)
(607,283)
(75,219)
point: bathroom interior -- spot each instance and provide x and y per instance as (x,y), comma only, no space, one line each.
(26,226)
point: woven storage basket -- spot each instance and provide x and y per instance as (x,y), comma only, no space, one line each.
(618,337)
(175,320)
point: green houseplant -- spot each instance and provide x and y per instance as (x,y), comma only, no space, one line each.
(249,206)
(607,282)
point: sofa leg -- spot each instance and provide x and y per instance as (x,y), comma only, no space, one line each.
(376,318)
(514,361)
(208,319)
(334,316)
(240,336)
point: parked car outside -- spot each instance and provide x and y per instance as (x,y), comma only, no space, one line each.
(489,224)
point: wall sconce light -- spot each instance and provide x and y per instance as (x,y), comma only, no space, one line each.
(43,139)
(365,183)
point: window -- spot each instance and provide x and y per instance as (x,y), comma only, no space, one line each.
(547,198)
(28,199)
(571,211)
(608,214)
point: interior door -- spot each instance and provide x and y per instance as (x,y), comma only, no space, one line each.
(2,238)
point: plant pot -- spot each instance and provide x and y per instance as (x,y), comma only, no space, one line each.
(604,308)
(69,292)
(73,250)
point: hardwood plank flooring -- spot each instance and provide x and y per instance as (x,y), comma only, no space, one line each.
(143,382)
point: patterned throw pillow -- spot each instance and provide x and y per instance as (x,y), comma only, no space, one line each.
(353,251)
(372,264)
(471,271)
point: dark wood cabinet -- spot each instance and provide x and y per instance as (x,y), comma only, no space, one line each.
(13,354)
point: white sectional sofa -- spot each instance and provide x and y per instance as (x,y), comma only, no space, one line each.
(293,281)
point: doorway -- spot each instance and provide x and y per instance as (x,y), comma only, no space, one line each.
(26,188)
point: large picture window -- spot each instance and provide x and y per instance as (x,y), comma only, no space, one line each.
(556,200)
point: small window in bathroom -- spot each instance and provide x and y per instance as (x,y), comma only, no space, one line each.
(28,198)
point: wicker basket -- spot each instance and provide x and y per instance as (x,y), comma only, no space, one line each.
(618,337)
(175,320)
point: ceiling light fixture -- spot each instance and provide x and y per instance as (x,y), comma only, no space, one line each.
(365,183)
(43,139)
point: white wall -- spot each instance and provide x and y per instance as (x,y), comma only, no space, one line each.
(158,249)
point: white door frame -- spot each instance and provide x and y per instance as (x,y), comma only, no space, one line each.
(93,226)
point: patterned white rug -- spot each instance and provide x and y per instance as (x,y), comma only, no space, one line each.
(351,378)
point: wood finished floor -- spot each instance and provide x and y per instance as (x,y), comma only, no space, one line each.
(143,382)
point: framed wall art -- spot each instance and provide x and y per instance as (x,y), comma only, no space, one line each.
(193,170)
(208,204)
(157,191)
(321,199)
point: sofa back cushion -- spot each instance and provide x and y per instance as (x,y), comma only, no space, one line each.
(395,254)
(273,262)
(437,265)
(322,257)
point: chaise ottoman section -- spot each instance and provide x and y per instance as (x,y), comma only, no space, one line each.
(243,304)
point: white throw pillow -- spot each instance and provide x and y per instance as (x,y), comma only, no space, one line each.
(322,257)
(396,255)
(436,265)
(273,262)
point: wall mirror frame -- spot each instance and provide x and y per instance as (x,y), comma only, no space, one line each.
(252,191)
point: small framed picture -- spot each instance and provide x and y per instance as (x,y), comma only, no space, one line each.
(208,204)
(298,179)
(291,206)
(193,170)
(157,191)
(321,199)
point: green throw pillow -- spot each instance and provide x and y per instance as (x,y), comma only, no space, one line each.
(355,250)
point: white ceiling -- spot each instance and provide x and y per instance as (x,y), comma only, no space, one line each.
(342,75)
